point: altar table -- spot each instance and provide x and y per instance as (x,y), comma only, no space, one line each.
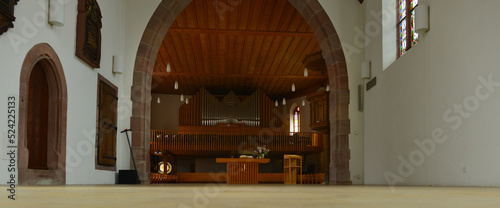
(242,170)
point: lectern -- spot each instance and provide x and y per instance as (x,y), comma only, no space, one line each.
(292,167)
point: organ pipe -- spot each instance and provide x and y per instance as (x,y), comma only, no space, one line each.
(206,110)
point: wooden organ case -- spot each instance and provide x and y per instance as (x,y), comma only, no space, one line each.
(205,109)
(320,122)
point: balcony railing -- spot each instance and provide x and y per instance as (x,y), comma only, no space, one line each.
(202,143)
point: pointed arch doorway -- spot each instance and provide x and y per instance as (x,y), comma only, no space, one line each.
(42,118)
(326,35)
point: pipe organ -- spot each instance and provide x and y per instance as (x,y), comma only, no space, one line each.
(255,110)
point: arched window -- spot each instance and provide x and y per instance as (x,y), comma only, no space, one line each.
(296,120)
(406,25)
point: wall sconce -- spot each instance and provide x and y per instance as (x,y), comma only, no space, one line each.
(365,70)
(421,18)
(118,64)
(56,12)
(303,102)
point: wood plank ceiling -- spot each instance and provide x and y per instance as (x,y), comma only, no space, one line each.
(242,45)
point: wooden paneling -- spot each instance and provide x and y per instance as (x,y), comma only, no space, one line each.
(38,107)
(256,44)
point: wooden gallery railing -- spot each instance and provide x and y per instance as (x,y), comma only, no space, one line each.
(198,142)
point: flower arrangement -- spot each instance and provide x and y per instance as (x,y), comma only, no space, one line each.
(260,152)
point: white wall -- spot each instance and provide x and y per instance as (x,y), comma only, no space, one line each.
(346,16)
(165,115)
(31,28)
(418,98)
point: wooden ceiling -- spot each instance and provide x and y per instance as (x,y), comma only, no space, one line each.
(242,46)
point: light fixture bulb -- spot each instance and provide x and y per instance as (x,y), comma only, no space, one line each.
(293,87)
(182,97)
(328,88)
(168,67)
(176,85)
(284,101)
(158,100)
(306,73)
(303,102)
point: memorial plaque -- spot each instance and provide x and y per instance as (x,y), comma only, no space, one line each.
(88,33)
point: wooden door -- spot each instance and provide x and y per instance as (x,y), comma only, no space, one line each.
(107,124)
(38,108)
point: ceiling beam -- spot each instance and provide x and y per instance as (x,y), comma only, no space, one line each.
(241,75)
(240,32)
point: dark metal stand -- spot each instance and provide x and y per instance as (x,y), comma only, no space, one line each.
(138,181)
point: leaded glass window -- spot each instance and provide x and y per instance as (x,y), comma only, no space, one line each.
(296,120)
(406,25)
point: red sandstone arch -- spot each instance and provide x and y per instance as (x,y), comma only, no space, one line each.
(314,14)
(44,55)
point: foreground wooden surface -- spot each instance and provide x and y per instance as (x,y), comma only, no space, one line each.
(242,196)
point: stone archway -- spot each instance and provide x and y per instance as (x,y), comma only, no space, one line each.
(44,57)
(314,14)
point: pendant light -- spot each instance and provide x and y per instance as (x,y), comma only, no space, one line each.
(158,100)
(182,97)
(168,68)
(176,85)
(303,102)
(284,101)
(276,103)
(328,88)
(187,101)
(306,73)
(293,87)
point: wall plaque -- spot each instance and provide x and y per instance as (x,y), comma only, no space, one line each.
(88,32)
(7,15)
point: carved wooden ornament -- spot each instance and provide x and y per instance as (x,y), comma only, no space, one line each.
(88,32)
(7,14)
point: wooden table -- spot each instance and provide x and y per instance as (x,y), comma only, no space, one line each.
(242,170)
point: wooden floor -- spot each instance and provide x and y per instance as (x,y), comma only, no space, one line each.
(222,195)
